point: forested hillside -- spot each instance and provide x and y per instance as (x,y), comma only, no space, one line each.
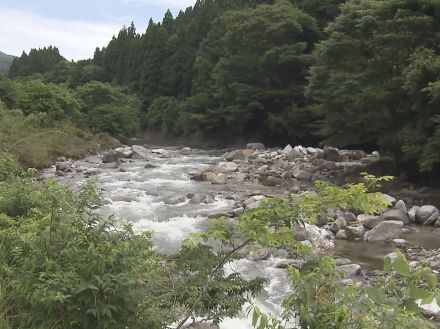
(359,74)
(5,62)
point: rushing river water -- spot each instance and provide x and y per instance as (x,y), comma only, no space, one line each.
(156,194)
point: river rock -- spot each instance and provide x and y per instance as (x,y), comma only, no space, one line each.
(302,175)
(110,156)
(124,152)
(318,237)
(396,214)
(412,214)
(424,213)
(432,219)
(139,152)
(342,223)
(271,181)
(255,146)
(287,149)
(387,230)
(348,216)
(301,149)
(372,221)
(341,235)
(293,155)
(186,149)
(350,270)
(214,178)
(162,152)
(401,205)
(63,166)
(332,154)
(355,232)
(312,150)
(234,155)
(225,167)
(389,198)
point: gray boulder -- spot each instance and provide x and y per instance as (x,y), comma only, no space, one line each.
(355,232)
(396,214)
(387,230)
(350,270)
(424,213)
(162,152)
(341,235)
(302,175)
(332,154)
(234,155)
(371,221)
(432,219)
(225,167)
(294,154)
(412,214)
(401,205)
(139,152)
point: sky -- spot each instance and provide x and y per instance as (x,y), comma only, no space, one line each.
(76,27)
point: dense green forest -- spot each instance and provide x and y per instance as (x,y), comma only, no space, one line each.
(362,74)
(5,62)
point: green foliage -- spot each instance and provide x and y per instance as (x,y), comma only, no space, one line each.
(374,79)
(109,108)
(38,61)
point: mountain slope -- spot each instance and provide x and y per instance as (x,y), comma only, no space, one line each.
(5,62)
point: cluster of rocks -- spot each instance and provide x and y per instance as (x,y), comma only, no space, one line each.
(388,225)
(290,167)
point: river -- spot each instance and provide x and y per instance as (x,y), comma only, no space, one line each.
(157,194)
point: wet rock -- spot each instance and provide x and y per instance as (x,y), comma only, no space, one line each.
(186,149)
(432,219)
(318,237)
(175,200)
(332,154)
(124,152)
(341,222)
(60,173)
(110,156)
(323,164)
(139,152)
(225,167)
(371,221)
(350,270)
(219,213)
(387,230)
(424,213)
(412,214)
(162,152)
(355,232)
(238,211)
(234,155)
(63,166)
(214,178)
(149,166)
(302,175)
(285,263)
(376,154)
(301,149)
(396,214)
(255,146)
(253,206)
(400,243)
(312,150)
(110,165)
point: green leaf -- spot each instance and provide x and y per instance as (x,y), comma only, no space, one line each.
(387,265)
(264,321)
(255,316)
(401,266)
(411,306)
(376,295)
(418,293)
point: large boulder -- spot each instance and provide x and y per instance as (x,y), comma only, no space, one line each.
(110,156)
(162,152)
(387,230)
(332,154)
(212,177)
(371,221)
(355,232)
(301,175)
(424,213)
(350,270)
(396,214)
(294,154)
(124,152)
(234,155)
(139,152)
(255,146)
(226,167)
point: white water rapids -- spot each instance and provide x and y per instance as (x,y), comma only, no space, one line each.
(156,199)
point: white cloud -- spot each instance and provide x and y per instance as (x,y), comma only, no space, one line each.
(23,30)
(179,4)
